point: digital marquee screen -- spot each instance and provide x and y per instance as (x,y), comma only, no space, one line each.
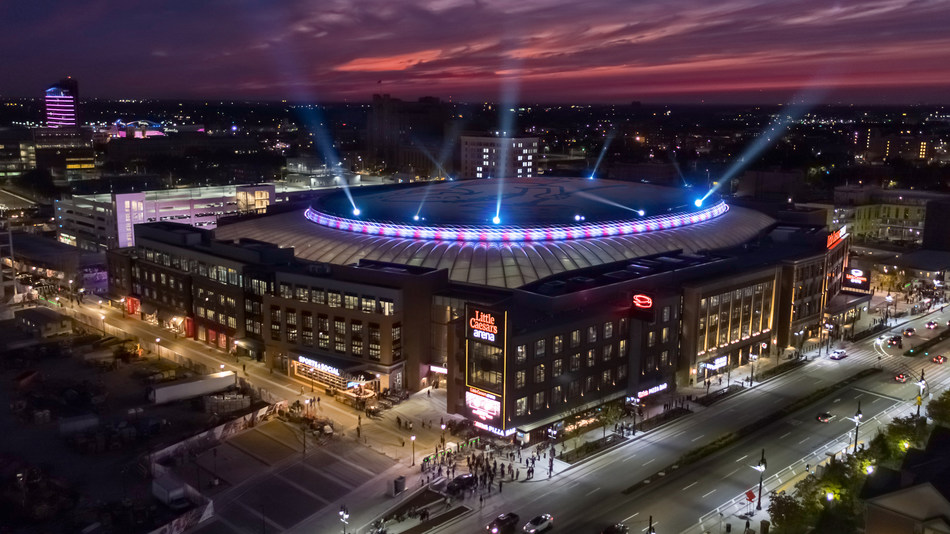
(485,326)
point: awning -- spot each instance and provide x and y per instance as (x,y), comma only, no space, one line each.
(148,308)
(165,315)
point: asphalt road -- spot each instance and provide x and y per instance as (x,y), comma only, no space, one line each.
(591,496)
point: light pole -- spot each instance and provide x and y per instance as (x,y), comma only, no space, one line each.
(102,322)
(158,347)
(122,302)
(344,516)
(413,440)
(857,423)
(443,435)
(761,469)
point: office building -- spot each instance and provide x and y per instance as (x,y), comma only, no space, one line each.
(61,100)
(498,157)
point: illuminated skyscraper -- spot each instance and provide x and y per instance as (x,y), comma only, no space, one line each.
(61,100)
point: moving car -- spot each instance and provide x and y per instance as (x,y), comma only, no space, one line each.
(826,417)
(939,359)
(931,325)
(539,524)
(461,483)
(901,377)
(839,354)
(910,331)
(894,341)
(503,524)
(619,528)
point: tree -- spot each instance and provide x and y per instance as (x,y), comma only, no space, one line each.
(787,513)
(938,409)
(608,415)
(905,432)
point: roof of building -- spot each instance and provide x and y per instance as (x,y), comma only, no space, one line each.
(924,260)
(496,264)
(38,315)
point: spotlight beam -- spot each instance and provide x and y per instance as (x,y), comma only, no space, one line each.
(603,150)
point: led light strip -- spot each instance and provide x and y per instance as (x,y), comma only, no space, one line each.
(513,233)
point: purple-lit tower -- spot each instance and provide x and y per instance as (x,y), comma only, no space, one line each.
(61,100)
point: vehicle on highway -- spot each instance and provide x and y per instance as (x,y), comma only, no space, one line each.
(910,331)
(901,377)
(461,483)
(539,524)
(895,341)
(931,325)
(504,524)
(826,417)
(619,528)
(839,354)
(939,359)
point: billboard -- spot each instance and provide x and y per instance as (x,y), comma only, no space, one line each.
(642,307)
(484,407)
(855,278)
(485,326)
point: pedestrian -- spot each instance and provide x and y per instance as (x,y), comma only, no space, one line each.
(481,501)
(517,473)
(428,393)
(410,425)
(499,486)
(398,422)
(245,368)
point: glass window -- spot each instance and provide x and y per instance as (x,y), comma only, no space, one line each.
(521,406)
(318,295)
(665,334)
(557,367)
(303,294)
(607,377)
(608,329)
(623,348)
(666,313)
(665,358)
(592,334)
(651,338)
(591,357)
(558,344)
(539,348)
(351,301)
(538,400)
(575,338)
(368,304)
(539,374)
(521,354)
(575,362)
(557,394)
(334,299)
(608,352)
(520,379)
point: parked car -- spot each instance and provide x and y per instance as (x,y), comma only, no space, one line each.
(839,354)
(539,524)
(461,483)
(910,331)
(939,359)
(826,417)
(503,524)
(901,377)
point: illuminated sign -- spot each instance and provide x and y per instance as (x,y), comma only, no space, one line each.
(837,235)
(718,363)
(857,279)
(438,369)
(484,406)
(486,326)
(651,391)
(494,430)
(642,302)
(318,366)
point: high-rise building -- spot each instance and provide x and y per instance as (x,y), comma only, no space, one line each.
(61,100)
(498,157)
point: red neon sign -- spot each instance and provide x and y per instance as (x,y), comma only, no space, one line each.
(642,301)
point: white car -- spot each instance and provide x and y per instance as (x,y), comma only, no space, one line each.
(839,354)
(539,524)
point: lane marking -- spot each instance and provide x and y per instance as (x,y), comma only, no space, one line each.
(730,474)
(743,458)
(592,491)
(785,435)
(708,494)
(631,517)
(649,462)
(697,437)
(803,441)
(691,485)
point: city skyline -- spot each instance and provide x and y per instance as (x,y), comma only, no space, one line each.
(885,52)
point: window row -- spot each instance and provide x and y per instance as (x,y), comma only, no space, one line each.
(590,335)
(544,399)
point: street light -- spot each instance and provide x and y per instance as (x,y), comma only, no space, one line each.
(122,302)
(344,516)
(158,347)
(922,384)
(761,469)
(443,435)
(102,321)
(857,423)
(413,440)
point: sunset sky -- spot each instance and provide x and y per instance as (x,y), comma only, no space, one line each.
(734,51)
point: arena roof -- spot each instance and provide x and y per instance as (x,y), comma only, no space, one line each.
(505,264)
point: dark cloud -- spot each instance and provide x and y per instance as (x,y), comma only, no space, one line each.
(597,50)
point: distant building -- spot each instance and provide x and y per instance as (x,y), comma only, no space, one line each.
(43,322)
(497,157)
(885,214)
(61,99)
(104,221)
(410,136)
(17,152)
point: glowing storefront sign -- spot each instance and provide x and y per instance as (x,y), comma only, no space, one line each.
(642,301)
(494,430)
(516,233)
(651,391)
(318,366)
(438,369)
(718,363)
(856,278)
(485,406)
